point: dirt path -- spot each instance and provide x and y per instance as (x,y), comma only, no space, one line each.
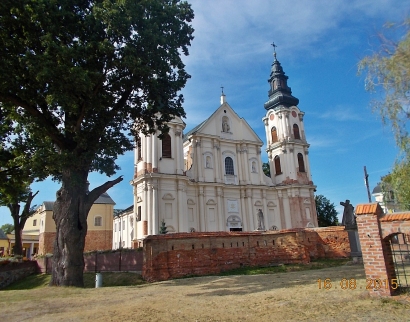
(291,296)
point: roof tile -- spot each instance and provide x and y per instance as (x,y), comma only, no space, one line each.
(370,208)
(400,216)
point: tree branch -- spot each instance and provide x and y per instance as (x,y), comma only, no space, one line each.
(96,192)
(48,126)
(26,210)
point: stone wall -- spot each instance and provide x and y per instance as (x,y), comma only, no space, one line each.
(182,254)
(14,272)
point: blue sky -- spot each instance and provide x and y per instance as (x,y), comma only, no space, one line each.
(319,46)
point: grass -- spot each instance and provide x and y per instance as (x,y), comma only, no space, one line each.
(109,279)
(283,268)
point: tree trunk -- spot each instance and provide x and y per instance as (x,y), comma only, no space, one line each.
(70,215)
(20,221)
(18,244)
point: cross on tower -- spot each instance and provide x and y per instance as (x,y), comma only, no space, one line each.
(274,49)
(222,89)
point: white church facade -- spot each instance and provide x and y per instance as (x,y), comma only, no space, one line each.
(210,178)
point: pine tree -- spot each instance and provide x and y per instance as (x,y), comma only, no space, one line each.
(163,229)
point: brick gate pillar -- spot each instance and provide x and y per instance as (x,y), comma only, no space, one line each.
(376,251)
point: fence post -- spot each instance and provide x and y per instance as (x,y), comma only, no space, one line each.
(380,276)
(120,259)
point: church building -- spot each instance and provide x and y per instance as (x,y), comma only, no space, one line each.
(210,178)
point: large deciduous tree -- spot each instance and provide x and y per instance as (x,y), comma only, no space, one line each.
(326,212)
(78,75)
(388,75)
(16,175)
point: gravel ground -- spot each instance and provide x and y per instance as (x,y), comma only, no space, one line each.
(293,296)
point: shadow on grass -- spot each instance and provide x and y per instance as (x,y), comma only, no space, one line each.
(317,264)
(109,280)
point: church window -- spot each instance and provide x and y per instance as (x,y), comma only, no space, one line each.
(274,134)
(278,169)
(123,225)
(229,166)
(301,163)
(98,221)
(139,154)
(139,213)
(35,222)
(166,146)
(296,133)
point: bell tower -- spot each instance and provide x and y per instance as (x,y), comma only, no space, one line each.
(287,147)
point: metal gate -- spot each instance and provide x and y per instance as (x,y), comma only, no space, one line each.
(400,248)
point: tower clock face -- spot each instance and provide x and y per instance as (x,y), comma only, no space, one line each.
(272,117)
(294,114)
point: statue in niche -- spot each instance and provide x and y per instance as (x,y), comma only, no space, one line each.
(253,166)
(208,162)
(261,224)
(349,219)
(225,125)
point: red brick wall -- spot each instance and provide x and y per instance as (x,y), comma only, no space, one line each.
(94,240)
(327,242)
(46,243)
(125,260)
(375,229)
(177,255)
(98,240)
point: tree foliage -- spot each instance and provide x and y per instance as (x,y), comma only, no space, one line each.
(16,175)
(163,228)
(7,228)
(266,168)
(326,212)
(398,182)
(78,76)
(388,74)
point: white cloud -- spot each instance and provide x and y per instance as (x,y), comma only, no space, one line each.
(342,113)
(231,30)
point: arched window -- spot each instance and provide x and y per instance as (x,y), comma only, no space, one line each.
(166,146)
(278,169)
(296,133)
(139,154)
(229,166)
(97,221)
(301,163)
(274,84)
(274,135)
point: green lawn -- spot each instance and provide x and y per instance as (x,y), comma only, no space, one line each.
(130,279)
